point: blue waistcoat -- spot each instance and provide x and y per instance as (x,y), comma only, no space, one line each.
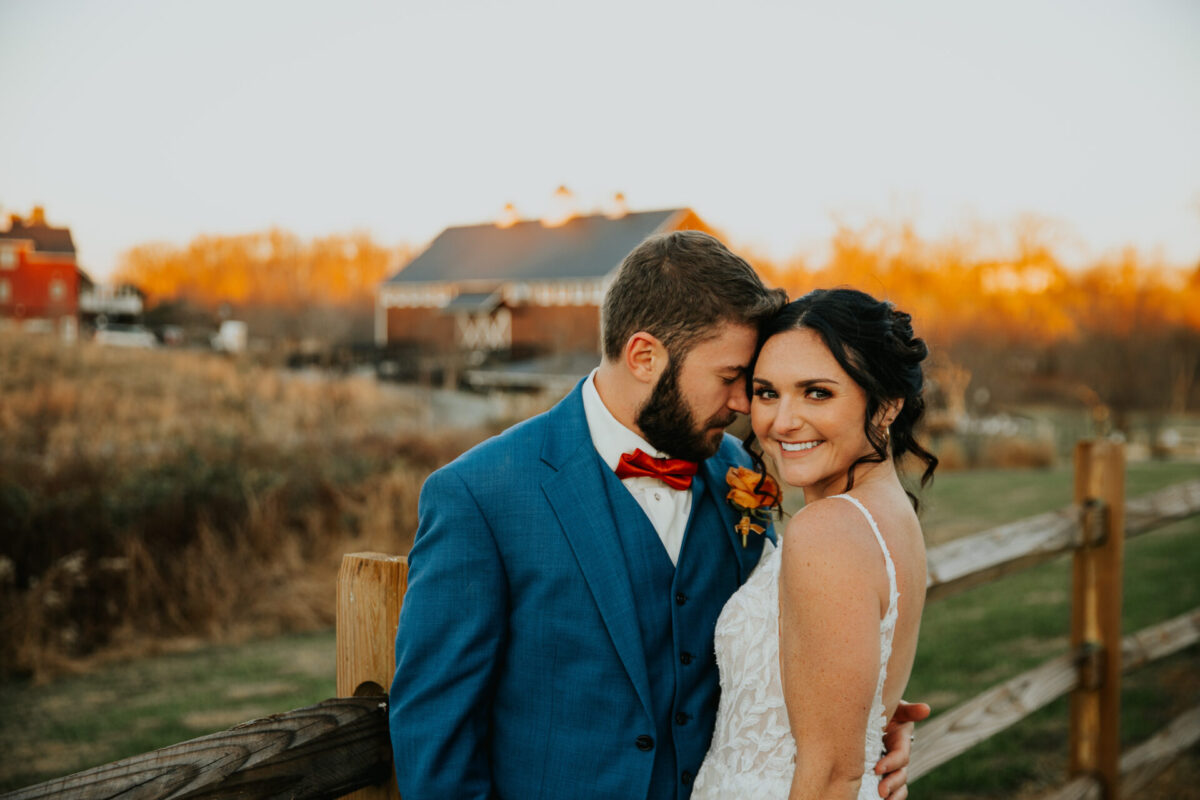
(677,611)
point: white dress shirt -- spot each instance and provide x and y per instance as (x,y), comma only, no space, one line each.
(667,508)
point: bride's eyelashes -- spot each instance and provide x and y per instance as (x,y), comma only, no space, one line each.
(812,393)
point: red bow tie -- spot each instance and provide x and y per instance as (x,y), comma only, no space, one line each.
(674,472)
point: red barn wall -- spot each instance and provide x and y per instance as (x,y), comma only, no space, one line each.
(30,283)
(427,327)
(556,329)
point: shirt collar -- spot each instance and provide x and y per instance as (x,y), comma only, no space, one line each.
(610,437)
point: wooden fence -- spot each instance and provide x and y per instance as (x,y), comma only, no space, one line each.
(341,745)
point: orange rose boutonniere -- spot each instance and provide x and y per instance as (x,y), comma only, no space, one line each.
(754,494)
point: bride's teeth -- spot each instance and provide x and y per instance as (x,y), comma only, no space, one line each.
(791,448)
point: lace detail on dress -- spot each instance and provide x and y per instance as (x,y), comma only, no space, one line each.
(753,754)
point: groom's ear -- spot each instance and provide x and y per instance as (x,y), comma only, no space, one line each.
(645,357)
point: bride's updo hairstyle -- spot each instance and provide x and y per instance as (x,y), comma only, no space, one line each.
(873,342)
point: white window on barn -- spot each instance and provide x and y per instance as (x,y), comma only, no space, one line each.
(484,331)
(8,258)
(58,290)
(5,290)
(481,323)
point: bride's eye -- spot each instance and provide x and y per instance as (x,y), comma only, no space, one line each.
(763,393)
(817,393)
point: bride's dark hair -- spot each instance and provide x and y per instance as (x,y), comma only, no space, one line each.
(873,342)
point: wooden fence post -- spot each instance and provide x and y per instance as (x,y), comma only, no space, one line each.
(370,590)
(1096,614)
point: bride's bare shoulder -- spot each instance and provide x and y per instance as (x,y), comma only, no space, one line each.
(831,529)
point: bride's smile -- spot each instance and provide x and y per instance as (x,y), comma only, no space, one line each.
(797,447)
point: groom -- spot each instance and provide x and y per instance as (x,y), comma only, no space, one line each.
(556,638)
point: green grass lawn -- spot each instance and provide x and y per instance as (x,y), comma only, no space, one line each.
(969,642)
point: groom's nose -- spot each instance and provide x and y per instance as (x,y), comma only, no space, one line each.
(738,401)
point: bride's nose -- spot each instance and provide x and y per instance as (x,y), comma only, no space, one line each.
(788,417)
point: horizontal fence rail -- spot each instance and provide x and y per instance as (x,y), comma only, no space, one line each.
(1151,511)
(322,751)
(985,556)
(956,731)
(1142,764)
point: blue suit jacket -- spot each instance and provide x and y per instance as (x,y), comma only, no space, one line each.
(520,670)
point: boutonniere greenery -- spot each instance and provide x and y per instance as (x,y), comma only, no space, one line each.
(755,494)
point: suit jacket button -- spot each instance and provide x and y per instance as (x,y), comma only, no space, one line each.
(685,658)
(644,743)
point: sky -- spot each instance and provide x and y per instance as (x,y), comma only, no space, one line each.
(136,121)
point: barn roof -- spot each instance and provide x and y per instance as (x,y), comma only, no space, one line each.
(584,247)
(45,239)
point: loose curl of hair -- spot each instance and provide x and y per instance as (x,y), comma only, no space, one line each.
(873,342)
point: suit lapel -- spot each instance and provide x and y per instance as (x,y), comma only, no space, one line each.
(576,494)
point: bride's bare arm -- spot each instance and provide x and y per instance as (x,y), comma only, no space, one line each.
(830,602)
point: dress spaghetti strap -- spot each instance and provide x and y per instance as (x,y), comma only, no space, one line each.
(893,592)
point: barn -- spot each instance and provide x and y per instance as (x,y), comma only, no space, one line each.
(512,293)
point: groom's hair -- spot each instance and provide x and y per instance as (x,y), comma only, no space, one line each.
(679,287)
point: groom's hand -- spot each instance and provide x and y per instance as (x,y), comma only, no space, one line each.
(897,740)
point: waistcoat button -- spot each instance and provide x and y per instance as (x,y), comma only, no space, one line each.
(681,718)
(686,777)
(680,598)
(685,658)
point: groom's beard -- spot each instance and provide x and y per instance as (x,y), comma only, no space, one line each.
(667,422)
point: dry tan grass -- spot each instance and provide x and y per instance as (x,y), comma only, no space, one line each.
(146,495)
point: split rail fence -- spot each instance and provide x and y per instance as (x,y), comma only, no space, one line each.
(341,745)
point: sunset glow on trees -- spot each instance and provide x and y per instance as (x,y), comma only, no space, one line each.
(272,268)
(1021,292)
(1006,318)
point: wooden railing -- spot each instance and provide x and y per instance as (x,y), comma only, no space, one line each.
(342,745)
(324,750)
(1095,528)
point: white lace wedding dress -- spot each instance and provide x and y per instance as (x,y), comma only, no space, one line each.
(753,754)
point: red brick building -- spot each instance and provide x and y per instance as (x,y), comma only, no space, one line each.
(514,289)
(39,279)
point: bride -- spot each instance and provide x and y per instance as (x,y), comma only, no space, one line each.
(816,648)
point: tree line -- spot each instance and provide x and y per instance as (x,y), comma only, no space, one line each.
(1003,312)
